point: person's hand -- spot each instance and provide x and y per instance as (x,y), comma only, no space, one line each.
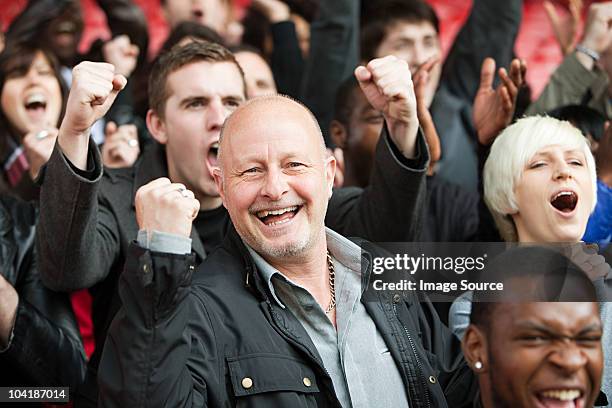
(274,10)
(120,148)
(122,54)
(38,146)
(387,84)
(565,30)
(493,108)
(586,257)
(598,30)
(603,157)
(95,86)
(421,78)
(166,207)
(9,299)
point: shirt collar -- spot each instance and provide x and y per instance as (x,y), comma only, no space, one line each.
(342,250)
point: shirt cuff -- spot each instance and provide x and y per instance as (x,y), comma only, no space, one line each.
(158,241)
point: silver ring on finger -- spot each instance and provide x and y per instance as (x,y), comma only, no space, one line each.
(42,134)
(184,192)
(133,143)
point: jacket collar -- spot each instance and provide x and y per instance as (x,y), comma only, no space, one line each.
(152,165)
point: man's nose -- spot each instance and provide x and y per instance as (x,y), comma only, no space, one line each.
(419,56)
(215,115)
(568,358)
(275,185)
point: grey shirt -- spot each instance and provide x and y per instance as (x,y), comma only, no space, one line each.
(356,357)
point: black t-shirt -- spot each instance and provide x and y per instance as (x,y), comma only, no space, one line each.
(211,226)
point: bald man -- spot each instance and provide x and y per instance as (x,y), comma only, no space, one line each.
(275,317)
(88,216)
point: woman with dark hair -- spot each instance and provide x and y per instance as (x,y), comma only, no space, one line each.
(31,102)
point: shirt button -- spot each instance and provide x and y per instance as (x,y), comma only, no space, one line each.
(247,383)
(307,381)
(432,379)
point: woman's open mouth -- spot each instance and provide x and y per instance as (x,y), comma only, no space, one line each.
(564,201)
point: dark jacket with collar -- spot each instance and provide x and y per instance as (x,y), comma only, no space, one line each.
(184,339)
(88,219)
(45,347)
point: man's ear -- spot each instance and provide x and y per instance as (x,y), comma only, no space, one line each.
(219,182)
(474,345)
(156,127)
(330,174)
(338,134)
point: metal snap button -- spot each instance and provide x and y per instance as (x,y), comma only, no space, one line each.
(307,381)
(247,383)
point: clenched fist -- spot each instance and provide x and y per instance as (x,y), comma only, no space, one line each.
(387,84)
(166,207)
(94,89)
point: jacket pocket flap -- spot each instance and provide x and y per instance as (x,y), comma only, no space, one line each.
(264,372)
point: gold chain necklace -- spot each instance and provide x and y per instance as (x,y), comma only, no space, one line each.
(332,283)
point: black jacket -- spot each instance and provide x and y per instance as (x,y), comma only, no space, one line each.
(45,347)
(88,220)
(179,341)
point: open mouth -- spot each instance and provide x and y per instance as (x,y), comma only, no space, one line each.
(278,216)
(565,201)
(564,398)
(35,105)
(213,153)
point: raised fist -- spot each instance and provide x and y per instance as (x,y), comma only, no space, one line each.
(387,84)
(94,89)
(166,207)
(121,148)
(598,31)
(38,146)
(122,54)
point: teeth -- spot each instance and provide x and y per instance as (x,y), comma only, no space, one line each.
(262,214)
(562,395)
(279,222)
(215,145)
(35,98)
(563,193)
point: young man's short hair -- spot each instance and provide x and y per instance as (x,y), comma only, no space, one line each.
(178,57)
(384,18)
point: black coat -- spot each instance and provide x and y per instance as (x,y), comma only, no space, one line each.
(45,348)
(180,342)
(88,219)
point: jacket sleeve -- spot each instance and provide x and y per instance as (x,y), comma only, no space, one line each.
(567,86)
(77,235)
(457,380)
(391,207)
(287,63)
(152,356)
(490,31)
(334,44)
(59,360)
